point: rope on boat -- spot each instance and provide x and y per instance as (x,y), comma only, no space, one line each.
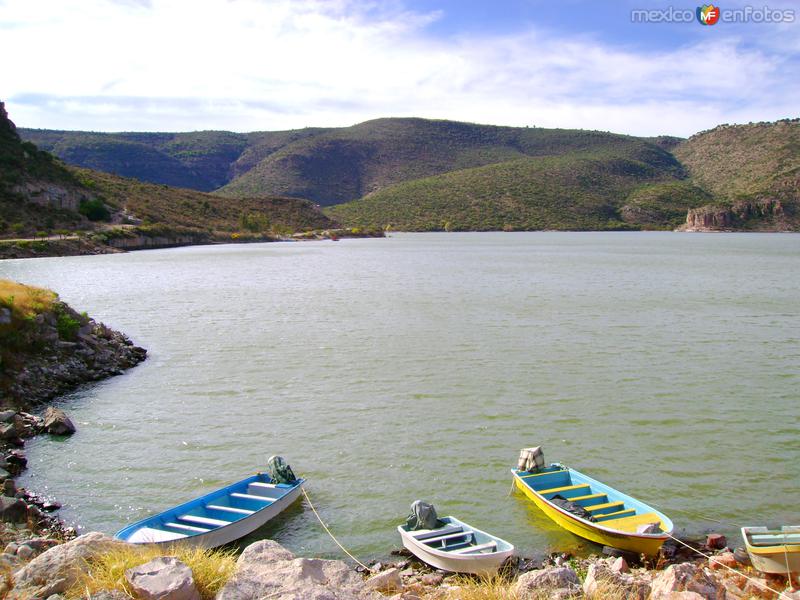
(328,531)
(714,559)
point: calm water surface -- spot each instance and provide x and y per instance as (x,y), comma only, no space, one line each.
(417,366)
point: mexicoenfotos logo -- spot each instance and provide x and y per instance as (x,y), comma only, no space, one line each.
(708,14)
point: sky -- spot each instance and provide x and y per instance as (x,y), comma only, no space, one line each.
(255,65)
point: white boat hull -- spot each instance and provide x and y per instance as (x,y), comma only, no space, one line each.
(485,564)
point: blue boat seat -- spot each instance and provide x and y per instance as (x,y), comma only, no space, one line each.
(478,548)
(589,499)
(191,528)
(204,520)
(230,509)
(252,497)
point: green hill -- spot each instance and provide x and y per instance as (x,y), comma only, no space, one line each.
(743,161)
(39,194)
(578,191)
(349,163)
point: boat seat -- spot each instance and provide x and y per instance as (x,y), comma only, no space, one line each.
(618,505)
(424,534)
(449,536)
(148,535)
(478,548)
(252,497)
(628,512)
(631,523)
(187,527)
(775,539)
(565,488)
(260,484)
(204,520)
(540,474)
(230,509)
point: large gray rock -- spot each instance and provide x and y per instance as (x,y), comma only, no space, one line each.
(560,581)
(13,510)
(163,578)
(55,570)
(57,422)
(268,570)
(685,577)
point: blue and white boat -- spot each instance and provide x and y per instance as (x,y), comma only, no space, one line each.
(218,518)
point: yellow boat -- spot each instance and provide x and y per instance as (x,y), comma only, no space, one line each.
(596,512)
(773,550)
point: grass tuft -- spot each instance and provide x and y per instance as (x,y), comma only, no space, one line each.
(211,568)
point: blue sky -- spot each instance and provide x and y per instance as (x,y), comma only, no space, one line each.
(248,65)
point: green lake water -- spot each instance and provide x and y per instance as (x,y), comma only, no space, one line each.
(386,370)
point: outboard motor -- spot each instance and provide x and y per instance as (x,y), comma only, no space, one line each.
(423,516)
(531,459)
(279,470)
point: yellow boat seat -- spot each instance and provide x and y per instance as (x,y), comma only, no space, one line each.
(630,524)
(565,488)
(541,474)
(595,507)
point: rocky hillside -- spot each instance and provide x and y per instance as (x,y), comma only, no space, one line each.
(39,195)
(752,173)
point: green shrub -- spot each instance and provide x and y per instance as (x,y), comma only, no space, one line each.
(94,210)
(67,326)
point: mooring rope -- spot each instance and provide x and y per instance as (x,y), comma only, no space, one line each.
(328,531)
(714,559)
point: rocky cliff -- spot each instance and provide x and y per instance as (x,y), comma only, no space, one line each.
(766,214)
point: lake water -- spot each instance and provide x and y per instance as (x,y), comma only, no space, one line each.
(417,366)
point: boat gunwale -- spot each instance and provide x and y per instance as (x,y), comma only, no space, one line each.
(404,533)
(779,548)
(598,525)
(129,530)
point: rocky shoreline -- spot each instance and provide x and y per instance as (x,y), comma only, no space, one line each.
(46,349)
(88,245)
(51,570)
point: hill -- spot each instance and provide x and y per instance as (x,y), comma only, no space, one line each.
(751,171)
(349,163)
(40,195)
(577,191)
(425,174)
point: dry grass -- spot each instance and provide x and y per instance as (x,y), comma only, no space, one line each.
(485,588)
(25,300)
(499,588)
(211,569)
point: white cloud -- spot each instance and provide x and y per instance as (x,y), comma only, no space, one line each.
(278,64)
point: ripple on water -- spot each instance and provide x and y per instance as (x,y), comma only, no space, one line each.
(417,366)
